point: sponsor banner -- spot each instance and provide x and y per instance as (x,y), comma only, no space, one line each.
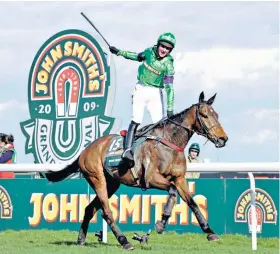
(36,204)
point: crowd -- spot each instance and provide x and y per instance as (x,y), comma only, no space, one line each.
(7,153)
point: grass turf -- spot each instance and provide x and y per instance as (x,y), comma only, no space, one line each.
(48,241)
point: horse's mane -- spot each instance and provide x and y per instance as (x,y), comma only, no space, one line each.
(179,117)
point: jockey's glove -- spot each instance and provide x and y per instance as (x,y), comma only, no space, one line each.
(114,50)
(170,113)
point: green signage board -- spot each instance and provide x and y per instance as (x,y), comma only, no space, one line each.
(69,96)
(37,204)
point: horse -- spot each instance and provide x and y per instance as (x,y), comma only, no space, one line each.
(160,163)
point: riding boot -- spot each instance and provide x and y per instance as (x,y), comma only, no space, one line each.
(129,140)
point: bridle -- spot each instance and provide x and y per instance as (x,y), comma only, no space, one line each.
(205,129)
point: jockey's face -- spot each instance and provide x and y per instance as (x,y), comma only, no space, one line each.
(193,154)
(163,50)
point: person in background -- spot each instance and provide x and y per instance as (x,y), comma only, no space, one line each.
(7,153)
(194,151)
(193,157)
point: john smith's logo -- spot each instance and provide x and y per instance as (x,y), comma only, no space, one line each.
(6,208)
(67,93)
(265,209)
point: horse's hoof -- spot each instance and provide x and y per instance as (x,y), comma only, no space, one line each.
(81,238)
(159,227)
(212,237)
(81,243)
(128,246)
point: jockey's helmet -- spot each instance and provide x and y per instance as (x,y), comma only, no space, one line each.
(167,39)
(195,147)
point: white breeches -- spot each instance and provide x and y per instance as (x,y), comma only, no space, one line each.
(150,97)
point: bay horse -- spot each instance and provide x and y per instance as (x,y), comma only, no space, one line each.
(160,163)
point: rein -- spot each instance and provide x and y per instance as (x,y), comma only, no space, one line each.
(203,132)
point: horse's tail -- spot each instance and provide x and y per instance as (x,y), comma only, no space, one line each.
(57,176)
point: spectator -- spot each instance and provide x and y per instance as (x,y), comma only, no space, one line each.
(7,154)
(194,151)
(193,157)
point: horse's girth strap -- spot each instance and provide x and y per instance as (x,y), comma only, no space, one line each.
(167,143)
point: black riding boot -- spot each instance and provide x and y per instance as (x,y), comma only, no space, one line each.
(129,140)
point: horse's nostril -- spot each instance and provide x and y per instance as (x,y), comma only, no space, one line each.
(221,142)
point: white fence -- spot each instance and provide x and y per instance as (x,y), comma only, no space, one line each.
(249,168)
(253,167)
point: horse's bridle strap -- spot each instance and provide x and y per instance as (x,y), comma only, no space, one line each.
(167,143)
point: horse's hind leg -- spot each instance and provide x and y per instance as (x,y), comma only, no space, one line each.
(108,217)
(90,211)
(182,188)
(100,186)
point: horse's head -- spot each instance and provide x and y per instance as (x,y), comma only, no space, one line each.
(207,123)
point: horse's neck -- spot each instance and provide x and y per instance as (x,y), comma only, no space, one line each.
(175,134)
(179,136)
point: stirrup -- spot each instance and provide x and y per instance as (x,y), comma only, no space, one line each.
(124,154)
(128,157)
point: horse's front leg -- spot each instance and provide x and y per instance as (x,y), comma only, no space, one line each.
(181,185)
(159,182)
(172,199)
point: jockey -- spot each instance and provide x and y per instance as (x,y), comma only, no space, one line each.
(155,73)
(194,151)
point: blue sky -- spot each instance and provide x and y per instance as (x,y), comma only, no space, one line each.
(228,48)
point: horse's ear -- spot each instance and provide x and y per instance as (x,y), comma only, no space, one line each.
(211,100)
(201,97)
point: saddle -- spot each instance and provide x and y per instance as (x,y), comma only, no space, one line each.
(113,159)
